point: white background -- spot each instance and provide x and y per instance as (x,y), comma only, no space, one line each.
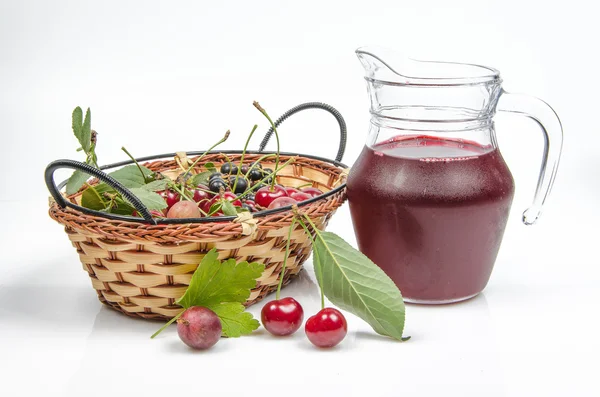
(169,76)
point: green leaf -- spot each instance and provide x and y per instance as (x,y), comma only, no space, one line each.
(223,287)
(201,178)
(210,167)
(234,319)
(130,176)
(86,131)
(228,208)
(122,209)
(214,282)
(77,121)
(151,200)
(92,199)
(156,186)
(215,208)
(354,283)
(76,181)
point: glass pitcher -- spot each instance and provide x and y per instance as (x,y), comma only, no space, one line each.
(430,193)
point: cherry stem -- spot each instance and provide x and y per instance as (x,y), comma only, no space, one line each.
(285,257)
(171,321)
(264,112)
(136,163)
(254,164)
(204,154)
(316,262)
(242,157)
(181,192)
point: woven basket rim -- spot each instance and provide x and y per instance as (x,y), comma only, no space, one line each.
(264,214)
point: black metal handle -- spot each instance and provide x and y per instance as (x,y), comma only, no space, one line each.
(312,105)
(88,169)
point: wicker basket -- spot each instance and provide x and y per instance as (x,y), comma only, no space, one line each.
(141,267)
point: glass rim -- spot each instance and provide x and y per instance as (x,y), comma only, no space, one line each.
(487,74)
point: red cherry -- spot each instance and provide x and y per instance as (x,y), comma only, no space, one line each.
(291,190)
(201,193)
(282,317)
(264,196)
(312,191)
(170,197)
(232,197)
(205,205)
(281,202)
(327,328)
(301,196)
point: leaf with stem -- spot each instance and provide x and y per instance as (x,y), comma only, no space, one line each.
(354,283)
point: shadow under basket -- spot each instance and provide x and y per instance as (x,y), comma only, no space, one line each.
(140,267)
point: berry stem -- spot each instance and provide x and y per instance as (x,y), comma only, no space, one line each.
(253,166)
(242,157)
(136,163)
(182,192)
(264,112)
(316,262)
(204,154)
(285,257)
(171,321)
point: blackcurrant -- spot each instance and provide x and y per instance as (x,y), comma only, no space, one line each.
(244,169)
(216,184)
(240,186)
(255,175)
(229,168)
(215,175)
(250,197)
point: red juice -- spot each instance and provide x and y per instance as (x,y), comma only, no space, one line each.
(431,213)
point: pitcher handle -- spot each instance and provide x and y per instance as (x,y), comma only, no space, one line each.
(548,120)
(312,105)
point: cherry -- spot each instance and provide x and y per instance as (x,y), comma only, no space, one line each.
(300,196)
(264,196)
(327,328)
(201,193)
(291,190)
(312,191)
(170,197)
(282,317)
(233,198)
(205,206)
(281,202)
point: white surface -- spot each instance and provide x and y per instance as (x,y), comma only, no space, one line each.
(165,77)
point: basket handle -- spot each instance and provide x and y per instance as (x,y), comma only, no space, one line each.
(312,105)
(88,169)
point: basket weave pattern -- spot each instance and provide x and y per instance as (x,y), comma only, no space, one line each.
(141,269)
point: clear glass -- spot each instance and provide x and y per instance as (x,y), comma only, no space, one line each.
(430,194)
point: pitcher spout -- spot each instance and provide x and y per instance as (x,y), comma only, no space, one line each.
(401,88)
